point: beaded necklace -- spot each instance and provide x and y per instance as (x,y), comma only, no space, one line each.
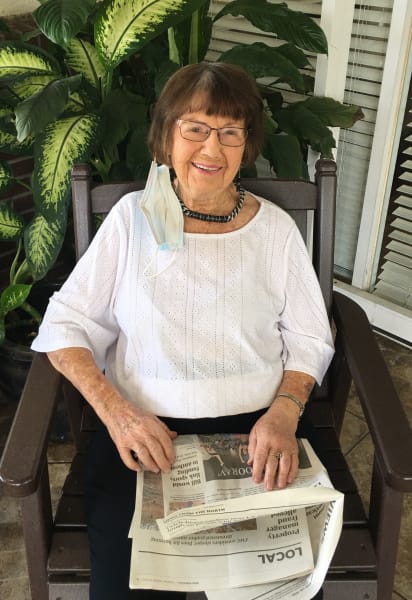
(215,218)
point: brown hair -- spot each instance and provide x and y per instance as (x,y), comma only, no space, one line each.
(217,89)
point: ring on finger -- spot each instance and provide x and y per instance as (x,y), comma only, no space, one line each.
(277,455)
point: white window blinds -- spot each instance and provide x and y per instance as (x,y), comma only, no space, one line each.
(395,274)
(363,86)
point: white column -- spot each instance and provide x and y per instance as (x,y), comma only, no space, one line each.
(336,21)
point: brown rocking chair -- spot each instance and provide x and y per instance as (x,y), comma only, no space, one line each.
(364,563)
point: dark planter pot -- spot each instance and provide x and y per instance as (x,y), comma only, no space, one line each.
(15,362)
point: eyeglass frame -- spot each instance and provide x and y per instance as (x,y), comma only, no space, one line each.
(217,129)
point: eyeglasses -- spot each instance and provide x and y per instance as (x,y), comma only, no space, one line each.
(199,132)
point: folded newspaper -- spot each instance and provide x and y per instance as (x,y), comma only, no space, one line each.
(207,526)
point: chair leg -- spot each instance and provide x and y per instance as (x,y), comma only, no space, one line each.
(37,524)
(385,517)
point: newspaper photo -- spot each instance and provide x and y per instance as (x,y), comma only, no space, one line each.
(206,526)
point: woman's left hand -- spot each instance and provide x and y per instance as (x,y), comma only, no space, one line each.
(273,448)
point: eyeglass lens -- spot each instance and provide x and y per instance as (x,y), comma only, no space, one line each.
(199,132)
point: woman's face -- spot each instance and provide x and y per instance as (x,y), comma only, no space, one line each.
(205,169)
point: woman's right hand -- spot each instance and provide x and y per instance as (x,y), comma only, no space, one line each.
(131,428)
(140,433)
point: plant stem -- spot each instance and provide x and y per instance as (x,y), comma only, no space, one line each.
(173,50)
(107,84)
(14,263)
(33,312)
(22,273)
(194,39)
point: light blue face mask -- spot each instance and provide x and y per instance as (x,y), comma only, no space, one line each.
(162,209)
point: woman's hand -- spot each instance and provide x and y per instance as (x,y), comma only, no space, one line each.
(273,448)
(132,429)
(141,434)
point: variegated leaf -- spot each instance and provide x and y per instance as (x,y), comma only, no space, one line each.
(125,26)
(75,104)
(28,86)
(6,176)
(63,144)
(11,223)
(42,242)
(34,113)
(82,57)
(13,296)
(22,59)
(9,143)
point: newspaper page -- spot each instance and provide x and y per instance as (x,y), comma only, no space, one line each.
(207,525)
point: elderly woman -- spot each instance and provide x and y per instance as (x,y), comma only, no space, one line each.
(195,310)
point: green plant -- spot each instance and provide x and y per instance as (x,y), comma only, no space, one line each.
(86,96)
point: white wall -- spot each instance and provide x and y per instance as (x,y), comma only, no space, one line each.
(17,7)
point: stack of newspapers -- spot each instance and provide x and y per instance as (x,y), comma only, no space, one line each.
(206,526)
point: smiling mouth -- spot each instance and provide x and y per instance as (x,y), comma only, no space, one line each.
(206,168)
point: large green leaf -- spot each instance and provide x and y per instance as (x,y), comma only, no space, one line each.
(6,176)
(64,143)
(294,54)
(124,26)
(13,297)
(163,73)
(82,58)
(262,61)
(289,25)
(285,156)
(22,59)
(306,126)
(34,113)
(137,155)
(122,111)
(60,20)
(333,113)
(43,240)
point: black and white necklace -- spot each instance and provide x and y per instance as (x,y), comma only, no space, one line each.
(215,218)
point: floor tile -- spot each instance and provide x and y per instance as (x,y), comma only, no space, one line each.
(403,578)
(354,430)
(15,589)
(11,536)
(12,564)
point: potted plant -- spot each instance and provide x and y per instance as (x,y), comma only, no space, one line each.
(86,94)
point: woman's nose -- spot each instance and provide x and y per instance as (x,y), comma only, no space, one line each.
(212,143)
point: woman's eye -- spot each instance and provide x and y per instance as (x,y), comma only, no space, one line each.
(235,132)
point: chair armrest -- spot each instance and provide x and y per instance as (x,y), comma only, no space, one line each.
(387,421)
(26,446)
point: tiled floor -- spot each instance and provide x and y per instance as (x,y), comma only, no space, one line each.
(356,443)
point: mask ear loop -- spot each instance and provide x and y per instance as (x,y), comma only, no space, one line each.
(153,260)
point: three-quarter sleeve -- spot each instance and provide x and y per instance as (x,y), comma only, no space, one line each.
(81,313)
(304,324)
